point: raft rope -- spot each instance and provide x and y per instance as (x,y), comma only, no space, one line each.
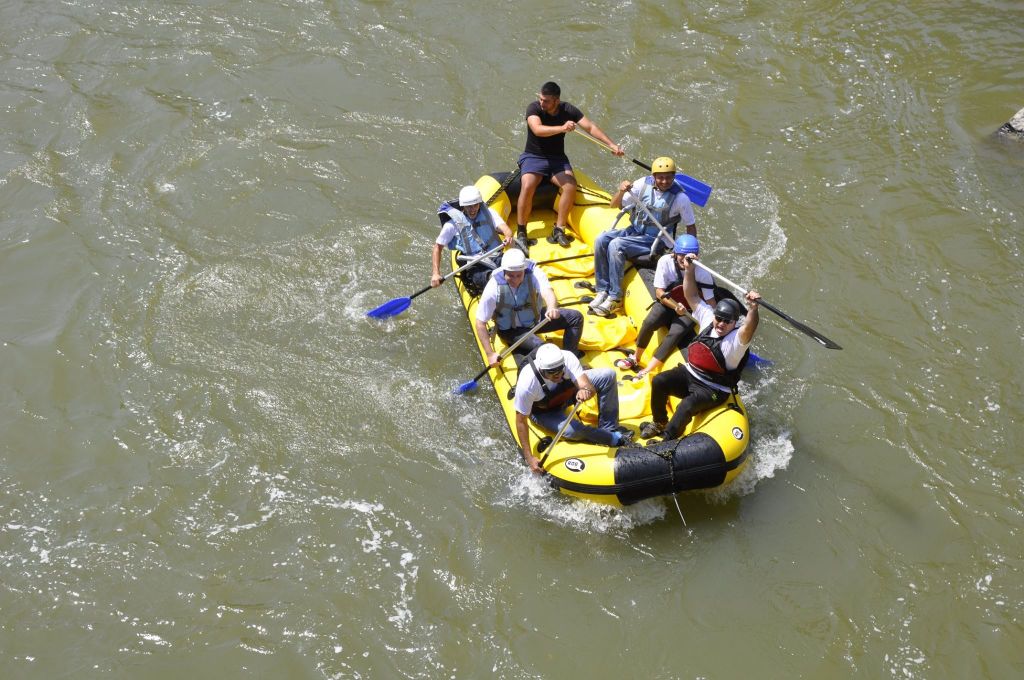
(512,177)
(668,457)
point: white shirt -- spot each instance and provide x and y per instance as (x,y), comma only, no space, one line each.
(450,231)
(528,389)
(680,206)
(489,298)
(732,348)
(665,275)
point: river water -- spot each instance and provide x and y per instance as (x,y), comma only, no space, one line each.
(212,463)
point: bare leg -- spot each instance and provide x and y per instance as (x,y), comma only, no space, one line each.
(565,181)
(527,187)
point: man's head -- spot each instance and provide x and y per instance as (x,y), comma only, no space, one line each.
(686,244)
(727,312)
(513,265)
(549,96)
(550,361)
(470,200)
(664,171)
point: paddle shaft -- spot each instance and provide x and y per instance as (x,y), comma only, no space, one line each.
(663,232)
(597,141)
(563,259)
(508,350)
(452,273)
(561,431)
(803,328)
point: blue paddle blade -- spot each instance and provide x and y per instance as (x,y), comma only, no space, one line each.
(466,387)
(390,308)
(696,191)
(759,361)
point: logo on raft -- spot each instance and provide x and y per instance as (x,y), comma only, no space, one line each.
(575,465)
(738,433)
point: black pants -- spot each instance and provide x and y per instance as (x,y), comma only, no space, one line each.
(475,278)
(680,331)
(696,397)
(569,320)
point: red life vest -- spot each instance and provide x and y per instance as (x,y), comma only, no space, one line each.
(675,289)
(705,358)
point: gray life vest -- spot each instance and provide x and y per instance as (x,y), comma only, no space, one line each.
(474,236)
(517,308)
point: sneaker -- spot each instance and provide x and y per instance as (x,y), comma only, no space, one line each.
(598,300)
(650,429)
(625,439)
(627,364)
(608,307)
(558,236)
(522,242)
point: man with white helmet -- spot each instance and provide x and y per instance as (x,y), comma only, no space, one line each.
(471,229)
(513,297)
(547,386)
(666,200)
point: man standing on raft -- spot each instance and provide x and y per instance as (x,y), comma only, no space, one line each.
(547,121)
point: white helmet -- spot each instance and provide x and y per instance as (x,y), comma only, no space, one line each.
(470,196)
(549,357)
(513,261)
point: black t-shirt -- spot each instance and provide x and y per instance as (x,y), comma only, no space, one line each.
(553,146)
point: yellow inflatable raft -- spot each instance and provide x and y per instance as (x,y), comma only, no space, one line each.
(713,449)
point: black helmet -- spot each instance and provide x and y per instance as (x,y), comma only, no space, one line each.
(728,309)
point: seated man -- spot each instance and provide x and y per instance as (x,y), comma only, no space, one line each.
(471,231)
(512,297)
(544,390)
(670,309)
(547,121)
(714,361)
(669,204)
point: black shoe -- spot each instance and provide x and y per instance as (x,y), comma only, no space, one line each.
(650,429)
(558,236)
(521,241)
(627,438)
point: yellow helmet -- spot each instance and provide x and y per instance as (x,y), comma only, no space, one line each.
(663,164)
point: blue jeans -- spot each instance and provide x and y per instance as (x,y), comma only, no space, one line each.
(611,251)
(603,380)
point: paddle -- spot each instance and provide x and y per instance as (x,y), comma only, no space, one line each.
(471,384)
(399,305)
(561,431)
(698,192)
(754,360)
(803,328)
(563,259)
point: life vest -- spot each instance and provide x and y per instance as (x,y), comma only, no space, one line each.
(642,225)
(474,236)
(554,397)
(675,289)
(704,358)
(517,308)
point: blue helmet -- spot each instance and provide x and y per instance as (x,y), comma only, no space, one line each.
(686,244)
